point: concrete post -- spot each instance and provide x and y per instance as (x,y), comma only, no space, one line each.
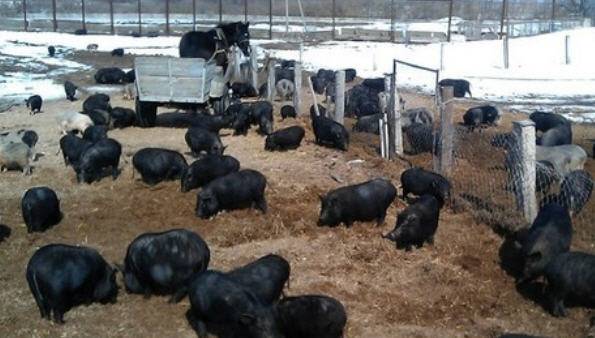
(271,81)
(524,131)
(297,95)
(446,131)
(396,110)
(567,49)
(340,96)
(505,51)
(254,69)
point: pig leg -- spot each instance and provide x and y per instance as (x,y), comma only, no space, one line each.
(198,325)
(380,219)
(58,315)
(431,240)
(115,172)
(261,205)
(557,302)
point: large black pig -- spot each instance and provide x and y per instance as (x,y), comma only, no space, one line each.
(364,202)
(201,140)
(41,209)
(73,148)
(285,139)
(241,189)
(103,155)
(156,165)
(224,307)
(164,262)
(330,133)
(420,182)
(206,169)
(549,235)
(265,277)
(416,224)
(262,114)
(63,276)
(571,274)
(311,316)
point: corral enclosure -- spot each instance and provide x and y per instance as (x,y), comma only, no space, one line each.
(459,287)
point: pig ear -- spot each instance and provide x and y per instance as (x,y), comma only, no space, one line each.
(247,319)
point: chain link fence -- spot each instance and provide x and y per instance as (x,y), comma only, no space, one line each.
(400,21)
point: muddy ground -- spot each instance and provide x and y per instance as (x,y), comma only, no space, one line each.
(456,288)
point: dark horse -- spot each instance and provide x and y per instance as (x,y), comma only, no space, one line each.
(216,42)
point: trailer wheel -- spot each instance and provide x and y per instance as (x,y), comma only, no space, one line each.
(146,113)
(220,104)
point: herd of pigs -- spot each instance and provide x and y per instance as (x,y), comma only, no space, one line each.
(247,301)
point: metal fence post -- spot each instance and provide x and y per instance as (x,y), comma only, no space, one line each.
(553,16)
(25,23)
(245,11)
(392,20)
(524,132)
(140,22)
(446,131)
(502,17)
(270,19)
(297,96)
(167,17)
(83,18)
(505,51)
(111,17)
(271,80)
(220,11)
(193,15)
(567,49)
(340,96)
(334,18)
(450,5)
(55,21)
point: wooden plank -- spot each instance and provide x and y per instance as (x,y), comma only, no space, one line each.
(340,96)
(446,131)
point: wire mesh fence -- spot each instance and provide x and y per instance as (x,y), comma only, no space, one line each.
(401,21)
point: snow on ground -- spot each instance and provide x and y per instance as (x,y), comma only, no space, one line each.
(537,74)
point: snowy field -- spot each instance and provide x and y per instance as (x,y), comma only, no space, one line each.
(537,76)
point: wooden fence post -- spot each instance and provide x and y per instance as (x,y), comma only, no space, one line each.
(111,17)
(237,66)
(567,49)
(386,133)
(271,80)
(297,95)
(340,96)
(392,20)
(524,131)
(505,55)
(25,23)
(54,20)
(83,14)
(446,131)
